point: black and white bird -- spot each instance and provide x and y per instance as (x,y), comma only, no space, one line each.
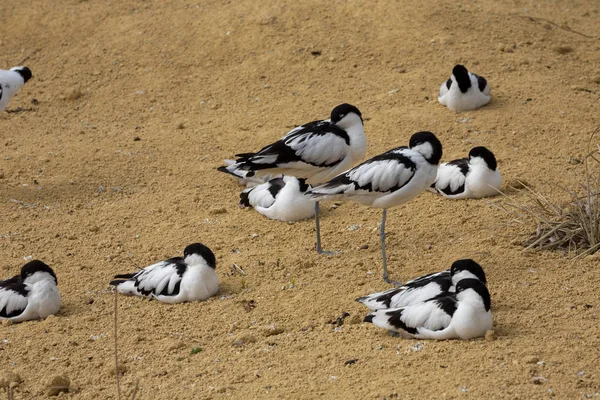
(280,198)
(464,314)
(10,82)
(33,294)
(469,178)
(425,287)
(316,151)
(389,179)
(176,280)
(464,91)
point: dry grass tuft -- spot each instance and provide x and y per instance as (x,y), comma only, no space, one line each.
(573,227)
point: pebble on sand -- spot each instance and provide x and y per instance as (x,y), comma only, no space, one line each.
(58,384)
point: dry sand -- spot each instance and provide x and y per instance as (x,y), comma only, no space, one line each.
(140,101)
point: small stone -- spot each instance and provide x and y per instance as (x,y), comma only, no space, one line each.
(351,362)
(176,346)
(531,359)
(563,49)
(73,94)
(243,340)
(180,125)
(58,384)
(217,211)
(35,102)
(8,378)
(538,380)
(490,336)
(136,139)
(273,330)
(364,247)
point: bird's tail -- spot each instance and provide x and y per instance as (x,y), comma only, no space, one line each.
(125,276)
(245,198)
(377,301)
(117,282)
(326,191)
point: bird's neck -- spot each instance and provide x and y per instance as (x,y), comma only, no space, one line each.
(358,141)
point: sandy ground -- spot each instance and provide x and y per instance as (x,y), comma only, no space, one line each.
(140,101)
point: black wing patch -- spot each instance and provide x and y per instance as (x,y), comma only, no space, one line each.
(463,164)
(447,303)
(245,198)
(396,321)
(16,285)
(449,83)
(481,82)
(275,186)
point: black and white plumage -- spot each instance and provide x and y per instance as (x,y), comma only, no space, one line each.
(464,314)
(425,287)
(176,280)
(10,82)
(242,175)
(280,198)
(316,151)
(469,178)
(33,294)
(464,91)
(389,179)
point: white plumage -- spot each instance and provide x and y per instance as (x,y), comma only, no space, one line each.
(281,198)
(464,91)
(389,179)
(316,151)
(10,83)
(474,177)
(31,295)
(425,287)
(465,314)
(176,280)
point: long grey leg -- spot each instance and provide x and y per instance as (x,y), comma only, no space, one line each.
(318,229)
(382,238)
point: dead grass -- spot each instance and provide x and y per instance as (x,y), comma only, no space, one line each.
(572,227)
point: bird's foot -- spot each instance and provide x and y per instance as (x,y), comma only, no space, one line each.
(327,252)
(393,334)
(386,279)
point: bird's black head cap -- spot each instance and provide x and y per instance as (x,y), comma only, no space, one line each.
(470,266)
(24,72)
(428,137)
(479,287)
(203,251)
(462,77)
(488,156)
(342,110)
(36,266)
